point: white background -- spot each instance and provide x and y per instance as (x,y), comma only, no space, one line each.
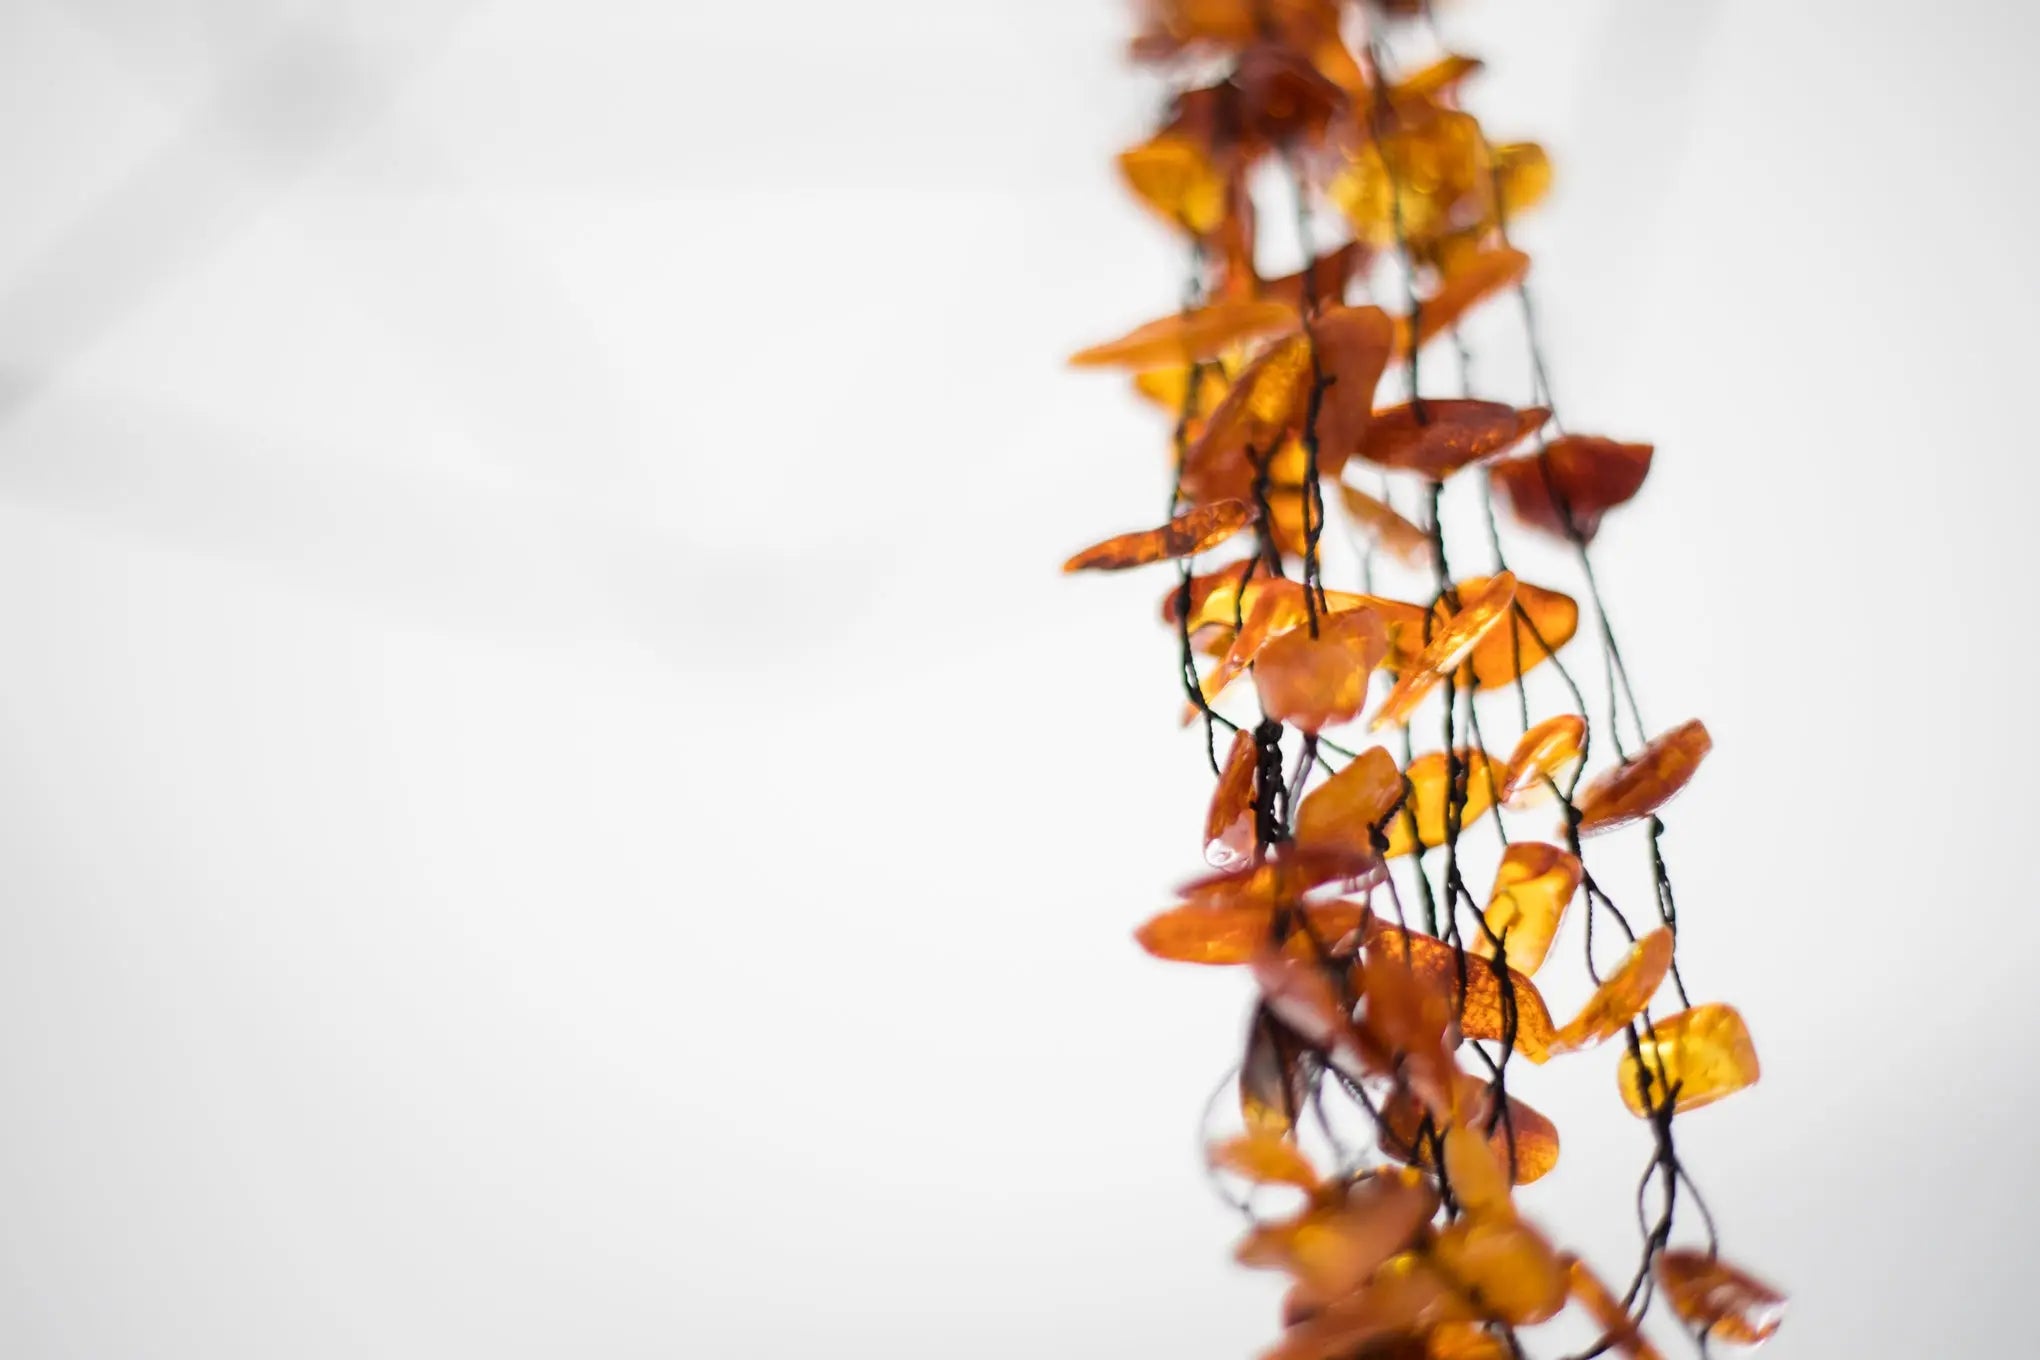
(555,802)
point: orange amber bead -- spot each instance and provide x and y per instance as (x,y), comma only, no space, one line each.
(1541,621)
(1479,611)
(1430,798)
(1542,758)
(1622,996)
(1175,177)
(1438,436)
(1705,1052)
(1227,935)
(1646,782)
(1229,825)
(1342,812)
(1186,535)
(1714,1298)
(1190,337)
(1267,1159)
(1591,476)
(1471,986)
(1316,682)
(1534,884)
(1466,285)
(1334,1245)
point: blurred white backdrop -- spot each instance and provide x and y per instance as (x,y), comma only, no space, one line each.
(556,803)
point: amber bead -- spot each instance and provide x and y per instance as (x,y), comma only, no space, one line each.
(1186,535)
(1265,1158)
(1430,799)
(1229,824)
(1236,934)
(1717,1299)
(1590,476)
(1335,1244)
(1622,996)
(1618,1329)
(1191,336)
(1316,682)
(1646,781)
(1535,1136)
(1438,436)
(1343,812)
(1479,611)
(1543,756)
(1534,884)
(1471,985)
(1470,282)
(1705,1052)
(1540,623)
(1175,177)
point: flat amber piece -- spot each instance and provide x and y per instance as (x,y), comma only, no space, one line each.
(1522,173)
(1266,1159)
(1229,824)
(1463,1341)
(1618,1328)
(1264,403)
(1236,934)
(1479,611)
(1705,1052)
(1386,529)
(1353,345)
(1334,1245)
(1470,282)
(1190,337)
(1430,798)
(1536,1136)
(1534,884)
(1175,177)
(1342,812)
(1477,997)
(1543,756)
(1718,1300)
(1516,1274)
(1622,996)
(1646,782)
(1186,535)
(1590,474)
(1316,682)
(1441,77)
(1438,436)
(1541,621)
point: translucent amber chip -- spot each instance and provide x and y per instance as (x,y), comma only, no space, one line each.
(1534,884)
(1541,759)
(1342,812)
(1705,1052)
(1536,1137)
(1190,337)
(1477,995)
(1430,799)
(1229,824)
(1478,613)
(1266,1159)
(1259,410)
(1541,621)
(1438,436)
(1334,1245)
(1516,1274)
(1646,782)
(1353,345)
(1175,177)
(1329,275)
(1622,996)
(1316,682)
(1237,934)
(1186,535)
(1590,475)
(1715,1298)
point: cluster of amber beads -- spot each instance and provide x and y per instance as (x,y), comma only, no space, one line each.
(1280,391)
